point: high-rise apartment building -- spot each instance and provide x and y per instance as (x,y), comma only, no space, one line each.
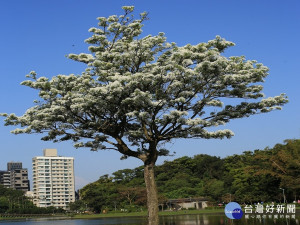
(53,180)
(16,177)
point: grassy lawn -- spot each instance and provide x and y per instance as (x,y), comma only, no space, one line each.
(131,214)
(164,213)
(27,216)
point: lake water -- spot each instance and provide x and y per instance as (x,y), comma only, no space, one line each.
(164,220)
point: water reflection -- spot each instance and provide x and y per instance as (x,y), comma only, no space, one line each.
(185,220)
(222,220)
(208,219)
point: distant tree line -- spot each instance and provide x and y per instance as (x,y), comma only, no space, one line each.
(15,202)
(246,178)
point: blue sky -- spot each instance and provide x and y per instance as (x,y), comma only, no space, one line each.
(36,35)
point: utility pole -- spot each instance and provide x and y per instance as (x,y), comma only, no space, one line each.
(284,200)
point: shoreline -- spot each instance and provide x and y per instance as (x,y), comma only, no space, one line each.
(108,215)
(119,215)
(144,214)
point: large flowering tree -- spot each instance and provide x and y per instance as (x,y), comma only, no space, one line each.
(139,92)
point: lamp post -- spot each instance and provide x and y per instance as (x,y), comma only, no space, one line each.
(115,203)
(283,194)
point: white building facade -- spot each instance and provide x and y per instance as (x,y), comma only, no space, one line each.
(53,180)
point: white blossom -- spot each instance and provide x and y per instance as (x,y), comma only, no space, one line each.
(140,88)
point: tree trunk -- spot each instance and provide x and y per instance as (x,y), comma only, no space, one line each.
(152,200)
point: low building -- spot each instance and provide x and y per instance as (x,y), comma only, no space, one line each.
(187,203)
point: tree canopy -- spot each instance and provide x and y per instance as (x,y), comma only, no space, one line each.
(139,91)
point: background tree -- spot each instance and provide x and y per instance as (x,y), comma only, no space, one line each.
(78,206)
(246,178)
(285,164)
(138,93)
(123,175)
(214,188)
(129,193)
(136,195)
(100,195)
